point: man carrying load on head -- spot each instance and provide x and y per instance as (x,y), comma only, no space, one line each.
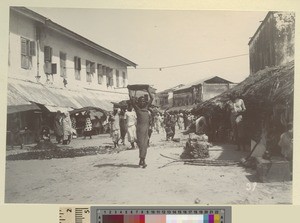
(141,107)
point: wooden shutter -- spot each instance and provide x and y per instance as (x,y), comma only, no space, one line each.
(78,63)
(23,46)
(48,53)
(75,63)
(32,48)
(53,68)
(48,67)
(104,70)
(62,64)
(117,78)
(111,77)
(93,68)
(124,79)
(88,66)
(100,73)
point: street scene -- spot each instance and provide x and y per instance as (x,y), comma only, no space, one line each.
(188,123)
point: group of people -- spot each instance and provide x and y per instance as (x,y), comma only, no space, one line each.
(122,122)
(65,126)
(136,121)
(62,128)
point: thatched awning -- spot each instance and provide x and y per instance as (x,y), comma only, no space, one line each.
(273,86)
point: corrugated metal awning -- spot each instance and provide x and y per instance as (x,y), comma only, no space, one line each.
(56,108)
(183,108)
(16,102)
(24,92)
(14,98)
(22,108)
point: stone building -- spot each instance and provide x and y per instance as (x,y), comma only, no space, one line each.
(273,42)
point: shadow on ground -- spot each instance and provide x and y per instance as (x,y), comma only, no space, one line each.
(229,152)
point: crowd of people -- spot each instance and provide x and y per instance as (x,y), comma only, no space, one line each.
(139,119)
(68,126)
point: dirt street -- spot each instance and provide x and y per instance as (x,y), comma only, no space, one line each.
(115,178)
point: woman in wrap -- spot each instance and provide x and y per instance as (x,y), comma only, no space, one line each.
(58,128)
(67,129)
(87,131)
(115,127)
(143,123)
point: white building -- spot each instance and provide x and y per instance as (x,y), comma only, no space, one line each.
(48,62)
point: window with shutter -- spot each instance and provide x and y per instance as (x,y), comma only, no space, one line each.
(88,66)
(32,48)
(93,68)
(48,67)
(78,63)
(53,68)
(47,54)
(77,67)
(63,70)
(26,59)
(23,46)
(124,79)
(88,71)
(117,78)
(104,70)
(75,63)
(100,73)
(109,76)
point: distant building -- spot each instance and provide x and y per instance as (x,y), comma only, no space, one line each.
(199,91)
(273,42)
(164,99)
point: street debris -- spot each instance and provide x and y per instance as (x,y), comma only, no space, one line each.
(200,162)
(56,152)
(196,147)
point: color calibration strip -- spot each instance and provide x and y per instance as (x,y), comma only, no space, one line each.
(166,215)
(206,218)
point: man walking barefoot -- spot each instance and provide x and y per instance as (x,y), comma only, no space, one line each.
(143,122)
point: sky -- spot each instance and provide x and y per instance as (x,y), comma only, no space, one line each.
(161,38)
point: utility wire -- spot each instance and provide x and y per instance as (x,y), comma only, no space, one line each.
(203,61)
(173,66)
(187,64)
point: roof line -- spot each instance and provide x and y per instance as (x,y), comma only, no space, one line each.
(261,24)
(49,23)
(201,81)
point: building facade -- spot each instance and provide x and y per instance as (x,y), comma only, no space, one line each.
(164,99)
(52,68)
(44,52)
(273,42)
(200,91)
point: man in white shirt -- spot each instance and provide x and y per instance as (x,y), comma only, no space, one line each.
(130,117)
